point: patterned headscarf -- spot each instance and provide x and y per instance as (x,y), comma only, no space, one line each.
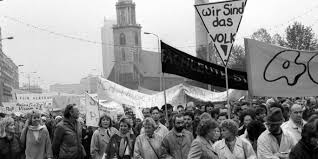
(4,123)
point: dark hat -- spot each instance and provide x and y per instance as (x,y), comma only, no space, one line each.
(275,116)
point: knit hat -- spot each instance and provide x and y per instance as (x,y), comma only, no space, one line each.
(275,116)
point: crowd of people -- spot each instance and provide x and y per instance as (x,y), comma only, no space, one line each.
(275,128)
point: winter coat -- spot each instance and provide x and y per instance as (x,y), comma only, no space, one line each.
(37,148)
(267,145)
(100,141)
(242,150)
(202,149)
(112,148)
(10,149)
(67,140)
(146,147)
(303,151)
(176,145)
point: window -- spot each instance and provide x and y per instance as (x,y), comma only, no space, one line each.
(122,39)
(123,55)
(136,38)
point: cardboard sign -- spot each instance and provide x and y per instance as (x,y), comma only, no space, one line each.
(280,72)
(222,20)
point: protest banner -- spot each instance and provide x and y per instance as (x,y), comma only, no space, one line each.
(179,63)
(175,95)
(92,114)
(222,20)
(280,72)
(23,108)
(208,96)
(34,99)
(108,90)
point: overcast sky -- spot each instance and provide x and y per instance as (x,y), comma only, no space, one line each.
(58,59)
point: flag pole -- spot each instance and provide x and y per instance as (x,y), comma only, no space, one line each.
(162,81)
(227,93)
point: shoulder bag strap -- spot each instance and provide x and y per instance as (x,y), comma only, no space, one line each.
(153,148)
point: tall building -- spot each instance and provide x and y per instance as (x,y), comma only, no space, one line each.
(108,46)
(9,76)
(127,43)
(133,66)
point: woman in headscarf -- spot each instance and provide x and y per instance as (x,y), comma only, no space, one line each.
(121,145)
(231,146)
(102,136)
(10,145)
(36,138)
(148,144)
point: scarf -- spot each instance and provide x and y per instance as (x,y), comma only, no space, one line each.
(125,143)
(36,131)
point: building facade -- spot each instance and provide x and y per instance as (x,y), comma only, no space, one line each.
(31,88)
(9,75)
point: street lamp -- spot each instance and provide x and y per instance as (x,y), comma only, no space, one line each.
(158,39)
(9,38)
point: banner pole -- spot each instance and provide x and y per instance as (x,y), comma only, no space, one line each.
(165,98)
(227,93)
(98,107)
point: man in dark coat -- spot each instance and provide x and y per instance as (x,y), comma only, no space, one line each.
(67,136)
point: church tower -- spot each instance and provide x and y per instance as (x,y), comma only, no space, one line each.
(127,45)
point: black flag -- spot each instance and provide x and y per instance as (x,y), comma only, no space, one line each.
(179,63)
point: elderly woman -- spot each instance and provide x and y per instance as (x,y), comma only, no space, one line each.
(231,146)
(102,136)
(307,147)
(148,144)
(121,145)
(10,146)
(201,147)
(36,138)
